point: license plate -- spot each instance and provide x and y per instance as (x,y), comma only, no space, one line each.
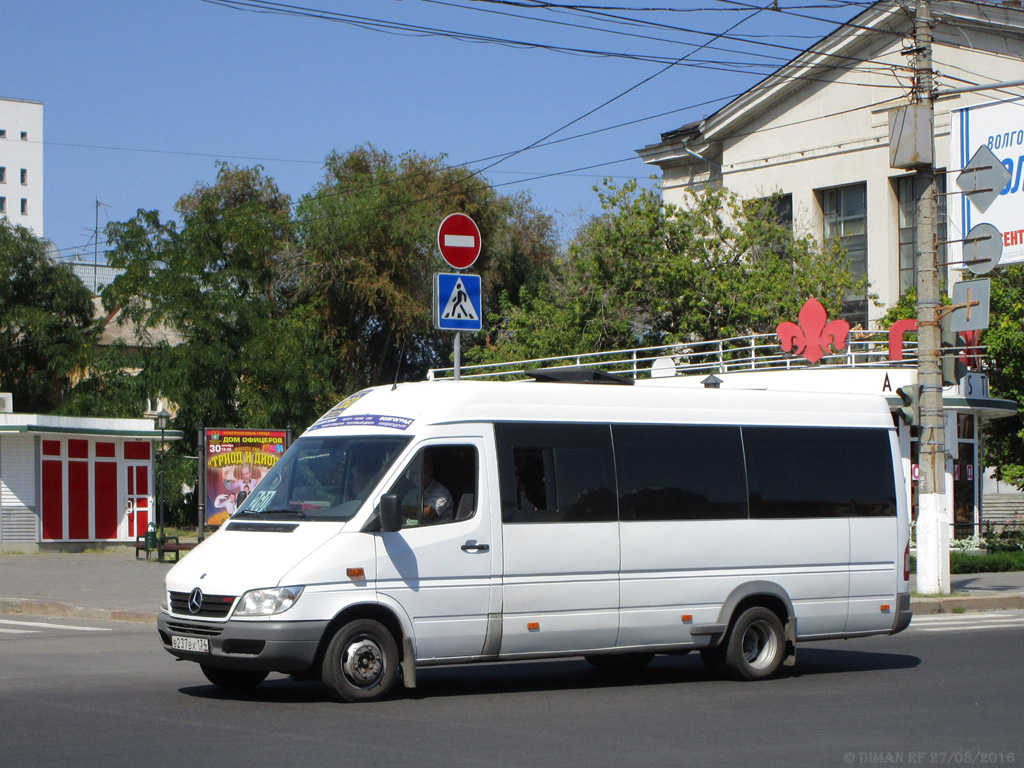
(194,644)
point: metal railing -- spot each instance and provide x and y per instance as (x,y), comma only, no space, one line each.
(756,352)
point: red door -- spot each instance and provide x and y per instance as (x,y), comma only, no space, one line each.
(138,468)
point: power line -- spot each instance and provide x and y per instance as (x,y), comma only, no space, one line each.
(402,28)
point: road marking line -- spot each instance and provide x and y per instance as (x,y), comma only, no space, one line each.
(19,631)
(52,626)
(945,618)
(959,627)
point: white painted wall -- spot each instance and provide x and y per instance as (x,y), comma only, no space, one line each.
(19,518)
(18,117)
(836,133)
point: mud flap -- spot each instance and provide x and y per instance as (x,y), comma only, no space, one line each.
(408,664)
(790,659)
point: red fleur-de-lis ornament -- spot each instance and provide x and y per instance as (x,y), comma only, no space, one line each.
(815,334)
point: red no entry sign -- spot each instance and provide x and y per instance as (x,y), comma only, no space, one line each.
(458,237)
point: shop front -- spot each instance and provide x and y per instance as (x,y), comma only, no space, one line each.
(67,481)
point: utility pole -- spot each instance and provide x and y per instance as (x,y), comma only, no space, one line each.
(96,248)
(933,514)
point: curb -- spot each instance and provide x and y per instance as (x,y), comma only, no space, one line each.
(54,608)
(955,604)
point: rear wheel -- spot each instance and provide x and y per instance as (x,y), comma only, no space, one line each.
(361,662)
(234,680)
(622,663)
(756,646)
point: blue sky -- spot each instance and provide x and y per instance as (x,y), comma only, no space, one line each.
(141,98)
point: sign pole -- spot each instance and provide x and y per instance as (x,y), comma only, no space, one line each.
(201,482)
(458,353)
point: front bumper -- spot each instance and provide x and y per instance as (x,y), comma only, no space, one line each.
(272,646)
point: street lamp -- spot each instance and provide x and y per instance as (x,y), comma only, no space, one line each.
(162,419)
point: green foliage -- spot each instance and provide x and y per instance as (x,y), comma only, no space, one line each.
(1011,537)
(993,562)
(247,359)
(368,252)
(645,273)
(904,309)
(46,322)
(1004,339)
(115,386)
(281,316)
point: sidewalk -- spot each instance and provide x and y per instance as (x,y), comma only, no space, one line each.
(112,584)
(108,584)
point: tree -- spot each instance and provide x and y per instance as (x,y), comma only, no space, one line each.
(219,280)
(46,322)
(368,253)
(1004,340)
(645,273)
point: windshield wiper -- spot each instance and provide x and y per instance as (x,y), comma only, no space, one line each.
(283,514)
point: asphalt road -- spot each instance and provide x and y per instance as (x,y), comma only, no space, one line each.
(947,691)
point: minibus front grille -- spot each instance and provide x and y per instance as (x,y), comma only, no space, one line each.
(196,630)
(211,607)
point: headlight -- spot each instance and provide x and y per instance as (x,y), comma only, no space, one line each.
(267,602)
(165,603)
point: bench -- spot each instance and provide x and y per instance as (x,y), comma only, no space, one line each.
(170,544)
(176,547)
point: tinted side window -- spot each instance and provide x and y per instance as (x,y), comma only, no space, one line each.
(810,472)
(555,473)
(680,472)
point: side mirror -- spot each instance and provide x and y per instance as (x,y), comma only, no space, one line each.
(390,513)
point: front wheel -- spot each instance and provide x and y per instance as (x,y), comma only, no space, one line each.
(361,662)
(234,680)
(756,646)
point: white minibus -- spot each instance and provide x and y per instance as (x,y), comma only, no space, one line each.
(445,522)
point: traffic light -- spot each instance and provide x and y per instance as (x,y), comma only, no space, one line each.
(953,368)
(910,411)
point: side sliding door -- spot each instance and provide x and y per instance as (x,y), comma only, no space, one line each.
(560,538)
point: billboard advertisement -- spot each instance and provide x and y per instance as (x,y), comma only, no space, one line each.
(236,461)
(989,134)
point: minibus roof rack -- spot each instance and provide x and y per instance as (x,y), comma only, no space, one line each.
(576,375)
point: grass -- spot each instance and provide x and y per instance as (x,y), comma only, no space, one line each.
(992,562)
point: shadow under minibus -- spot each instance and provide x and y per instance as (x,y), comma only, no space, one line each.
(569,674)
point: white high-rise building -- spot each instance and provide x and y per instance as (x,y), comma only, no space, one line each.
(21,163)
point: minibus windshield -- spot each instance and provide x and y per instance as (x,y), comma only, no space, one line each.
(322,478)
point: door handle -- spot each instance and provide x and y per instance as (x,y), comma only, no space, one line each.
(472,546)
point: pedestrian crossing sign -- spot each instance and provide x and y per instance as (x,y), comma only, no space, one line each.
(457,305)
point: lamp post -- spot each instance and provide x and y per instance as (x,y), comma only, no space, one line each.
(162,419)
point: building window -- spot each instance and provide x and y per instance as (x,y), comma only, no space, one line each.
(3,175)
(845,212)
(3,133)
(24,135)
(24,207)
(3,205)
(783,205)
(24,176)
(907,193)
